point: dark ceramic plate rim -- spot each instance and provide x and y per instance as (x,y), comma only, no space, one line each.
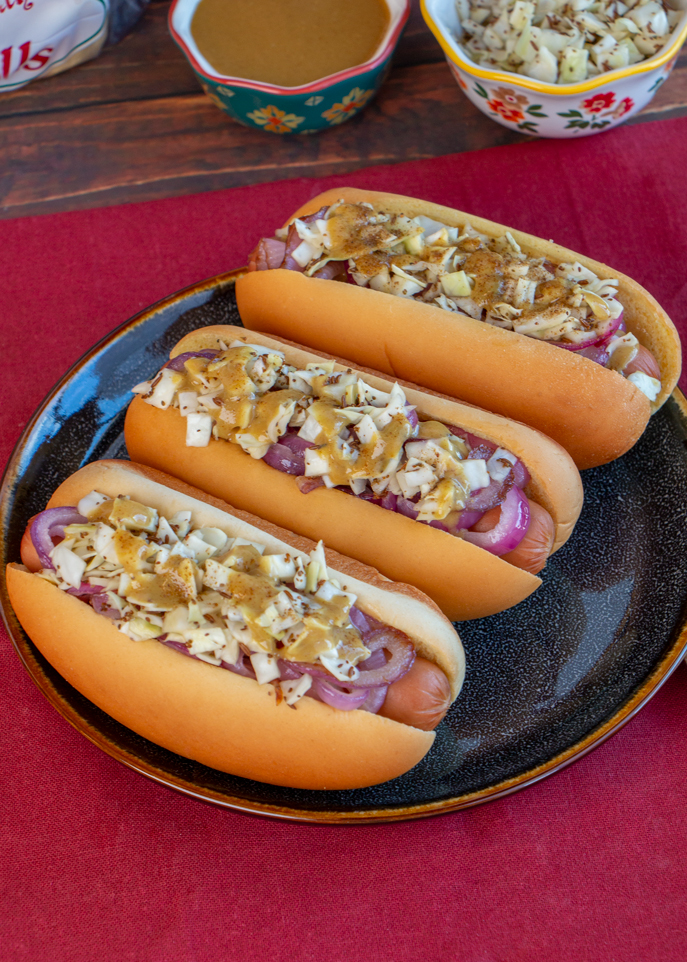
(27,653)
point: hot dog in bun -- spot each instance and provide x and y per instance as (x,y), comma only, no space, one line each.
(470,308)
(474,503)
(140,590)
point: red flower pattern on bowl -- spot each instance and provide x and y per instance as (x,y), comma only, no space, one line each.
(624,107)
(511,98)
(512,114)
(599,102)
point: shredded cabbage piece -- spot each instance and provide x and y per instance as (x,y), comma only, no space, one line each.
(563,41)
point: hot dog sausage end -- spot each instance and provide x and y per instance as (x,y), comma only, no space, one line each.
(420,699)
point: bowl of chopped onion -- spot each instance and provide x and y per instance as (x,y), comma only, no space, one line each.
(559,68)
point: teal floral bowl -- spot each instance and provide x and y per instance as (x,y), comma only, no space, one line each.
(291,110)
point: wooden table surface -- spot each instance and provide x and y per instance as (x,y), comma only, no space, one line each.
(134,125)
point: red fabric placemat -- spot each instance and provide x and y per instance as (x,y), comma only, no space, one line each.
(98,862)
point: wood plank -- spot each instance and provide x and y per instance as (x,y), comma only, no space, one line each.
(132,125)
(670,100)
(138,150)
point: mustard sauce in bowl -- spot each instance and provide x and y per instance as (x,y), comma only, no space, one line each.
(288,43)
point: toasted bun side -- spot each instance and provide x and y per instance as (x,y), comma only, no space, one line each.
(399,605)
(644,316)
(463,580)
(567,397)
(205,713)
(556,484)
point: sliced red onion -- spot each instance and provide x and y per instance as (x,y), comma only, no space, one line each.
(85,590)
(595,352)
(102,604)
(389,501)
(295,443)
(288,671)
(486,498)
(97,598)
(466,519)
(309,484)
(292,242)
(287,454)
(402,657)
(285,460)
(240,668)
(521,476)
(363,622)
(439,525)
(51,523)
(598,354)
(482,449)
(511,528)
(411,414)
(359,620)
(383,672)
(459,432)
(337,698)
(315,669)
(368,495)
(481,452)
(407,508)
(176,645)
(331,270)
(177,363)
(474,442)
(605,330)
(318,215)
(268,255)
(376,660)
(375,699)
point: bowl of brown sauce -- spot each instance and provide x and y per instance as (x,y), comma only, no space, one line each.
(289,66)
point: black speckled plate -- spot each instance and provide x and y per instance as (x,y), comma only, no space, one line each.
(546,681)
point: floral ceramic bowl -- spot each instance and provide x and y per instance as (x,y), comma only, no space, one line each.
(546,109)
(287,110)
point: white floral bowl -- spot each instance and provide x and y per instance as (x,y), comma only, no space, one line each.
(545,109)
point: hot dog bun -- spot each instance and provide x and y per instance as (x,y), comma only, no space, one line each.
(595,413)
(465,581)
(218,718)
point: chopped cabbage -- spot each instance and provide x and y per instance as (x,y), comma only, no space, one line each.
(563,41)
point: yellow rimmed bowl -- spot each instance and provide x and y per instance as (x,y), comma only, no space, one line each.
(545,109)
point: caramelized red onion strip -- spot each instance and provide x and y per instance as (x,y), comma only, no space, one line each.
(511,528)
(177,363)
(268,255)
(598,336)
(288,454)
(334,696)
(50,524)
(402,653)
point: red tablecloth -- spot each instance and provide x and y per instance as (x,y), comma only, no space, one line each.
(98,862)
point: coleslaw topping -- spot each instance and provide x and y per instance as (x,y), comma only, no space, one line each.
(350,434)
(461,271)
(226,601)
(563,41)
